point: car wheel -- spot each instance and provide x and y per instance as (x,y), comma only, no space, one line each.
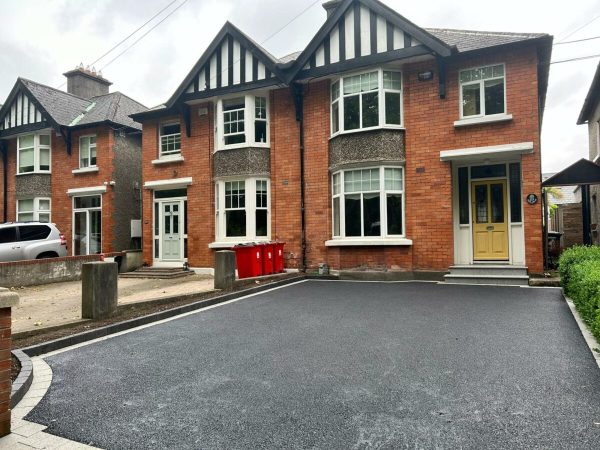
(47,255)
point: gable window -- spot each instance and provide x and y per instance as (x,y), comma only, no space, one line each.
(243,121)
(87,152)
(33,209)
(482,91)
(170,139)
(33,153)
(242,209)
(366,100)
(368,202)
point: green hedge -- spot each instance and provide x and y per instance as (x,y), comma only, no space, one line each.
(579,269)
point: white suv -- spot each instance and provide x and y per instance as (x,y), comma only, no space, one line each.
(31,240)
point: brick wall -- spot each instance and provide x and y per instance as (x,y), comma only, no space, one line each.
(570,224)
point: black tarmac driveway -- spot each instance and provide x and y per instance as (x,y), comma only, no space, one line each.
(325,364)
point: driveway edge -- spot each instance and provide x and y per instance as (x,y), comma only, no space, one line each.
(585,331)
(67,341)
(23,381)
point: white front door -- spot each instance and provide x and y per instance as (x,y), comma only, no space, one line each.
(171,233)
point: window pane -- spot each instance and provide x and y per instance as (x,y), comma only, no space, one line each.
(235,223)
(392,108)
(156,219)
(371,214)
(25,205)
(26,161)
(95,242)
(79,233)
(352,85)
(44,139)
(260,108)
(26,141)
(392,80)
(336,184)
(33,232)
(87,202)
(25,217)
(370,109)
(44,159)
(260,131)
(93,155)
(494,96)
(335,90)
(8,235)
(235,139)
(393,179)
(168,193)
(352,215)
(481,203)
(336,216)
(493,171)
(497,198)
(261,222)
(44,217)
(234,103)
(173,128)
(394,214)
(463,195)
(471,100)
(335,117)
(515,192)
(351,113)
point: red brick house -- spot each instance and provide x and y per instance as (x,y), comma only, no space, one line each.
(381,145)
(72,158)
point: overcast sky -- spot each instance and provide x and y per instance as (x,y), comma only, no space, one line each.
(41,39)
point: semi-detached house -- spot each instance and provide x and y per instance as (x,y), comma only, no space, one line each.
(72,158)
(381,145)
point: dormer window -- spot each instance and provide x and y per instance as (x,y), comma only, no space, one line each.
(366,101)
(33,153)
(170,139)
(243,121)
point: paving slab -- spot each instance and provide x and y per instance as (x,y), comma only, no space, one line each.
(338,365)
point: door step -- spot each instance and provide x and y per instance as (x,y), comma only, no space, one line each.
(158,273)
(488,274)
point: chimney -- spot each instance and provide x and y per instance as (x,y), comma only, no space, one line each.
(331,6)
(86,82)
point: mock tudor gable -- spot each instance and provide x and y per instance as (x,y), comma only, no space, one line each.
(358,33)
(233,62)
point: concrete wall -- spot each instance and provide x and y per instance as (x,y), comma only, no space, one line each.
(130,260)
(127,201)
(32,185)
(379,146)
(43,271)
(242,161)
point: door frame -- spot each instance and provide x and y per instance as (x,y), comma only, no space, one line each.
(488,182)
(159,261)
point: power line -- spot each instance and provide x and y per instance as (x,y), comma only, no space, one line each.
(143,35)
(577,40)
(575,59)
(293,19)
(577,29)
(135,31)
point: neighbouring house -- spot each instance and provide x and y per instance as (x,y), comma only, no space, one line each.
(381,145)
(73,158)
(590,115)
(564,213)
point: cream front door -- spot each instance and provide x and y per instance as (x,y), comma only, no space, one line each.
(490,220)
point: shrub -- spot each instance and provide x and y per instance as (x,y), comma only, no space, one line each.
(572,256)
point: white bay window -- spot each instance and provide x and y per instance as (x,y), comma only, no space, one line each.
(368,203)
(366,101)
(242,210)
(243,122)
(33,153)
(33,210)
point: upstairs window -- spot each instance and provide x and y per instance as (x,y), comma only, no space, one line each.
(482,91)
(243,121)
(33,153)
(87,152)
(367,100)
(170,139)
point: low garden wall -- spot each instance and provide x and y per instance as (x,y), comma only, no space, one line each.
(579,269)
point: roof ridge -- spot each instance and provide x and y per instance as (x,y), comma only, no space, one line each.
(123,95)
(489,33)
(54,89)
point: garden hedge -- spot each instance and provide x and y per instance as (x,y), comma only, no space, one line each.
(579,269)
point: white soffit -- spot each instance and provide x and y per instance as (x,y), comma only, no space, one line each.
(490,152)
(172,183)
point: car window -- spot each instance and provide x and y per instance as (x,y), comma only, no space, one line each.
(8,235)
(33,232)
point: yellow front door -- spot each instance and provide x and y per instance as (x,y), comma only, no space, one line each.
(490,221)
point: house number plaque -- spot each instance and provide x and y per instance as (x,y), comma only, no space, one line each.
(532,199)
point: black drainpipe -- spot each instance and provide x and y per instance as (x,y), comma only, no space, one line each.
(298,92)
(4,151)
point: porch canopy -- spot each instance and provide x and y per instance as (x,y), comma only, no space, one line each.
(583,173)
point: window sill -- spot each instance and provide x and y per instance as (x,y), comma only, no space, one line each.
(482,120)
(85,170)
(221,244)
(363,130)
(38,172)
(168,160)
(244,145)
(344,242)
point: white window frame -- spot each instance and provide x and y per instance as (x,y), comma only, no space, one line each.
(250,208)
(382,205)
(89,150)
(36,209)
(381,101)
(87,211)
(165,154)
(36,152)
(249,119)
(481,84)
